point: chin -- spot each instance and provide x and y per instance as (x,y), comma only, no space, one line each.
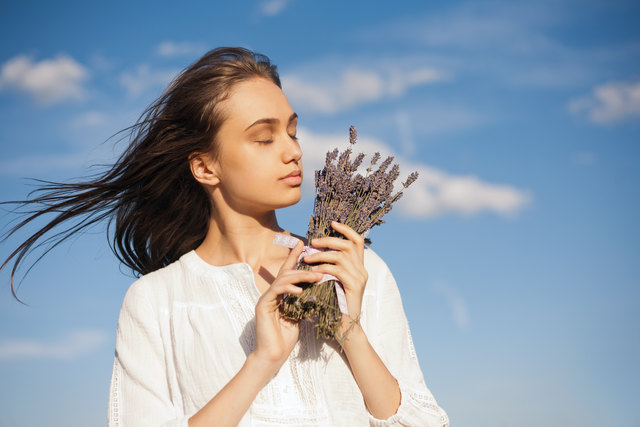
(291,200)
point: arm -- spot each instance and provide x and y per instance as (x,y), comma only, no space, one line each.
(140,394)
(379,388)
(231,403)
(276,338)
(390,379)
(394,344)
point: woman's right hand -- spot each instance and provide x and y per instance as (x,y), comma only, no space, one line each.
(275,335)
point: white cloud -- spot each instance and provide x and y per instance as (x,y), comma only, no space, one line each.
(48,81)
(435,193)
(399,82)
(171,49)
(73,345)
(609,102)
(354,86)
(457,304)
(273,7)
(90,119)
(143,77)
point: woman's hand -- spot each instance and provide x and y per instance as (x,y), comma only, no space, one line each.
(275,335)
(344,260)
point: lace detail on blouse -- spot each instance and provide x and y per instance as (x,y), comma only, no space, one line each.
(115,395)
(304,372)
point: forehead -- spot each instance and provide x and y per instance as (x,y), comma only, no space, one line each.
(256,99)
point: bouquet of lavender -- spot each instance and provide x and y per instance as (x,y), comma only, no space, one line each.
(359,201)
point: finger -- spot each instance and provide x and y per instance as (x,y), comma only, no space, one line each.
(347,232)
(283,289)
(287,282)
(288,323)
(269,300)
(292,258)
(297,276)
(335,243)
(331,269)
(327,257)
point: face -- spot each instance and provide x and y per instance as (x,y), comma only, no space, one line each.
(258,163)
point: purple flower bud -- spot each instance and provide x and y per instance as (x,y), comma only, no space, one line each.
(353,135)
(410,180)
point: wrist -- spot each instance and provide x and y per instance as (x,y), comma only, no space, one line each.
(351,332)
(261,368)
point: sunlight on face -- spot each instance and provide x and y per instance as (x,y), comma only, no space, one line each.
(259,156)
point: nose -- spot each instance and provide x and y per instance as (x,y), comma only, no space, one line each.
(292,151)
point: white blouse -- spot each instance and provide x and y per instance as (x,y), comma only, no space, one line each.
(185,330)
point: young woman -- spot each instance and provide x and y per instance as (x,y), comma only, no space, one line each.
(200,341)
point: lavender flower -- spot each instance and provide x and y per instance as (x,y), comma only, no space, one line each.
(353,135)
(350,198)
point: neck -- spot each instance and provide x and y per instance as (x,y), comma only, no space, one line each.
(236,237)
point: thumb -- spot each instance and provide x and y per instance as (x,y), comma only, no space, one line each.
(292,258)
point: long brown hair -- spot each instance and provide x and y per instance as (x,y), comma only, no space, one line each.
(159,210)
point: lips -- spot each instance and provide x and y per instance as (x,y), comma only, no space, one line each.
(294,173)
(294,178)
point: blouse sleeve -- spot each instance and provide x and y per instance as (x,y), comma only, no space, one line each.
(139,393)
(395,347)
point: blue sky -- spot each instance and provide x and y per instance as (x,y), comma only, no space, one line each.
(516,252)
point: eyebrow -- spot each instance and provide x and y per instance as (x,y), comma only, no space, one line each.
(271,121)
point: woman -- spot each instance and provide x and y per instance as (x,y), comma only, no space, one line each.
(200,341)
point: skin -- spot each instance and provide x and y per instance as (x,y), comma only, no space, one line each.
(245,183)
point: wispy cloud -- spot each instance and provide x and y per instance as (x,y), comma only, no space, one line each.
(48,81)
(83,135)
(71,346)
(515,27)
(584,158)
(609,102)
(405,133)
(429,118)
(511,42)
(354,86)
(90,119)
(273,7)
(435,193)
(44,163)
(143,77)
(172,49)
(457,305)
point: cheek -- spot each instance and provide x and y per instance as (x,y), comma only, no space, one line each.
(251,177)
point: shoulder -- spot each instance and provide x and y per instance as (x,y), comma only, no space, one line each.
(156,286)
(374,263)
(378,271)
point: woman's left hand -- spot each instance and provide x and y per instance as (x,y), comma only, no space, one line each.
(344,260)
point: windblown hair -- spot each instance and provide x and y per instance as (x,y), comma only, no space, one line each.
(160,211)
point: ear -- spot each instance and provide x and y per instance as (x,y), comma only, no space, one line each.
(203,168)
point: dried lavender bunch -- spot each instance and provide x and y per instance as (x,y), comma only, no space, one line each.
(359,201)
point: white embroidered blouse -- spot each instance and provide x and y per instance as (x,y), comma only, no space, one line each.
(185,330)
